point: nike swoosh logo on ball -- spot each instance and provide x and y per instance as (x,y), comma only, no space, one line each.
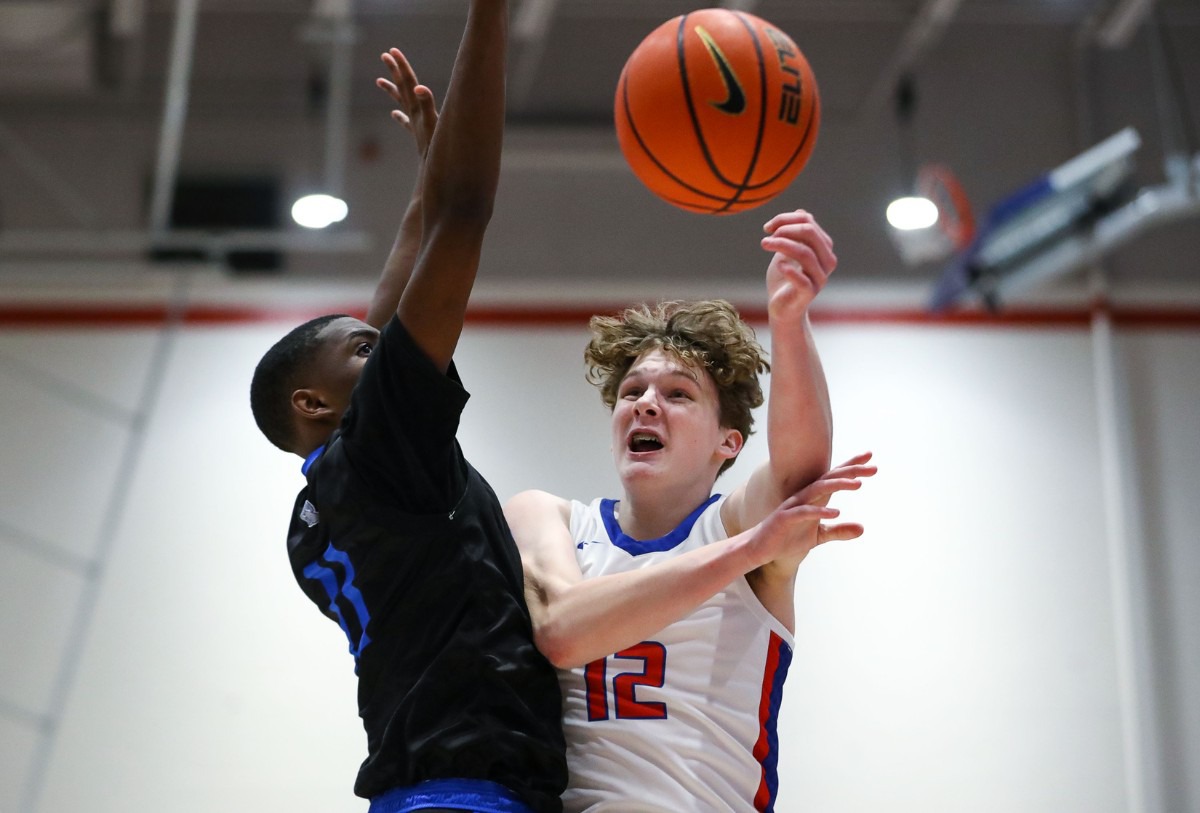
(736,101)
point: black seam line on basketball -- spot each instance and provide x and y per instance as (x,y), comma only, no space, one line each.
(645,149)
(750,202)
(803,141)
(812,119)
(681,56)
(739,191)
(735,97)
(762,108)
(624,83)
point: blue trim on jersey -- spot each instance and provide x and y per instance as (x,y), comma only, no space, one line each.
(636,547)
(456,794)
(771,763)
(312,458)
(347,589)
(352,594)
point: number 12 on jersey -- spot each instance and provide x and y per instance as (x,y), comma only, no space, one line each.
(653,657)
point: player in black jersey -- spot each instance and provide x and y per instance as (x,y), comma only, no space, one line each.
(396,536)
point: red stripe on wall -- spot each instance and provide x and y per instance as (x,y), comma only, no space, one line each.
(81,316)
(154,315)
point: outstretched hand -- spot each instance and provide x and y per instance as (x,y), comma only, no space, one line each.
(797,526)
(419,115)
(416,110)
(803,261)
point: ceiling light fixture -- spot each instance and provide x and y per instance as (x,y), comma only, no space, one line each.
(319,211)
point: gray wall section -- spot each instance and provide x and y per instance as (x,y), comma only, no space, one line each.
(1163,372)
(959,657)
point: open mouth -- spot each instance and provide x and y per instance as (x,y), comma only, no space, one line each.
(644,442)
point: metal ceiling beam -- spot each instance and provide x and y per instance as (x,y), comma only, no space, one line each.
(530,28)
(340,17)
(127,18)
(1118,28)
(530,25)
(175,103)
(98,242)
(923,32)
(127,27)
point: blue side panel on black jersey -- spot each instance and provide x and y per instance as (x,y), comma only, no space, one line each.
(344,589)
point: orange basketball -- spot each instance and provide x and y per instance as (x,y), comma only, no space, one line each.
(717,111)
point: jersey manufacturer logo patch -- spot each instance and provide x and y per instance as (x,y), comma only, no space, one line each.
(579,545)
(309,515)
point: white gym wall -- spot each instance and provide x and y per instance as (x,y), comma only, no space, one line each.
(963,656)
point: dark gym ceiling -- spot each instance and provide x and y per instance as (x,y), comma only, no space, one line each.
(1005,90)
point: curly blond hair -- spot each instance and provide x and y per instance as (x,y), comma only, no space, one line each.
(708,333)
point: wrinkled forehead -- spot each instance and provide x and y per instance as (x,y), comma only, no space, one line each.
(343,328)
(664,361)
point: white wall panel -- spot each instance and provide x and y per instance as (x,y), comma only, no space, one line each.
(41,599)
(959,657)
(58,462)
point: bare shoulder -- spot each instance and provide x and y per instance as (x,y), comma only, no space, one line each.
(541,526)
(533,514)
(538,503)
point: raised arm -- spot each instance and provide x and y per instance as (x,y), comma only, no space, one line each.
(576,620)
(417,113)
(462,172)
(799,420)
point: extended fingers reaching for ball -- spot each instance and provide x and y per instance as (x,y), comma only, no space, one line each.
(802,262)
(417,111)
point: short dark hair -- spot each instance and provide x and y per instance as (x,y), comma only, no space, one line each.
(277,376)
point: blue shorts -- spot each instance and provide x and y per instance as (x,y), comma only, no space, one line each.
(476,795)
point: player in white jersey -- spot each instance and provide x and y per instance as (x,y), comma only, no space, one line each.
(647,604)
(703,692)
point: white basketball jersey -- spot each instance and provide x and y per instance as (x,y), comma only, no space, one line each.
(683,722)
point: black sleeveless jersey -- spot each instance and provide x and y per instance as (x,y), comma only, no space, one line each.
(401,542)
